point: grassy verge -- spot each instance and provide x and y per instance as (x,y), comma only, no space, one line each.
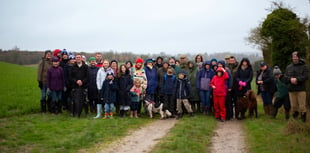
(60,133)
(189,135)
(265,135)
(19,93)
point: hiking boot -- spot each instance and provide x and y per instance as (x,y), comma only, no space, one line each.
(222,120)
(295,114)
(111,115)
(303,116)
(105,116)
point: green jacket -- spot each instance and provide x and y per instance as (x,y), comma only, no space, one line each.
(282,88)
(191,76)
(43,66)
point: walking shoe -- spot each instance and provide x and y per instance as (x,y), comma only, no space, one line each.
(222,120)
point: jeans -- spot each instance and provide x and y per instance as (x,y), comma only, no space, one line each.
(267,98)
(205,98)
(108,107)
(43,93)
(56,95)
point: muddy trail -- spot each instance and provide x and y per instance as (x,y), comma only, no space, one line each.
(228,137)
(142,139)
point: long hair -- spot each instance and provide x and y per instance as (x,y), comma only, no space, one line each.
(120,73)
(197,57)
(245,60)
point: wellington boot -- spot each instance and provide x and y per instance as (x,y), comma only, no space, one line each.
(295,114)
(275,112)
(303,116)
(99,110)
(111,115)
(105,116)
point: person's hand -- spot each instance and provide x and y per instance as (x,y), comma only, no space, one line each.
(48,90)
(79,82)
(293,80)
(40,84)
(213,87)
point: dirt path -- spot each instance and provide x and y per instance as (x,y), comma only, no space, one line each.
(143,139)
(228,137)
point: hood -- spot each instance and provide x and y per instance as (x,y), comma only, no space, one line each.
(222,62)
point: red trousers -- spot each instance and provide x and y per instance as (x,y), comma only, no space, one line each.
(219,107)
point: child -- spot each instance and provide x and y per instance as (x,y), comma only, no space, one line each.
(282,96)
(183,92)
(168,91)
(124,83)
(55,83)
(136,93)
(219,86)
(108,91)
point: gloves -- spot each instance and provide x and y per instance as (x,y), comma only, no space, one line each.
(48,90)
(40,84)
(241,83)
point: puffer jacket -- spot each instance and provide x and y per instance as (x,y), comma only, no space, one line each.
(152,79)
(183,89)
(204,73)
(298,71)
(109,91)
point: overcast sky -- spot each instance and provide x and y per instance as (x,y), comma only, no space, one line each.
(139,26)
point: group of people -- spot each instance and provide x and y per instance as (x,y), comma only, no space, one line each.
(213,86)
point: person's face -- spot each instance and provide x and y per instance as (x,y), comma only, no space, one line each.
(98,57)
(59,54)
(65,56)
(110,77)
(263,68)
(207,67)
(72,61)
(219,73)
(138,84)
(165,65)
(244,63)
(227,60)
(169,72)
(181,76)
(295,59)
(78,58)
(123,69)
(183,59)
(139,64)
(198,59)
(219,65)
(232,61)
(172,62)
(113,65)
(55,64)
(177,63)
(213,63)
(149,64)
(190,65)
(48,55)
(105,64)
(128,65)
(159,61)
(93,63)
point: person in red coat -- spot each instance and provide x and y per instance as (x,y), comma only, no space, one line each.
(219,86)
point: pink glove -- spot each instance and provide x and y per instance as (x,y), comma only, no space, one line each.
(240,83)
(244,84)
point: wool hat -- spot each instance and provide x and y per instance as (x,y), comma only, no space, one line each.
(92,59)
(71,57)
(149,60)
(277,71)
(64,52)
(55,59)
(139,60)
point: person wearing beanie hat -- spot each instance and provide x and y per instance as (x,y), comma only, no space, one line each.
(43,66)
(57,53)
(92,91)
(296,76)
(55,84)
(203,80)
(183,92)
(65,58)
(152,80)
(266,87)
(281,95)
(108,94)
(138,72)
(218,84)
(214,64)
(67,96)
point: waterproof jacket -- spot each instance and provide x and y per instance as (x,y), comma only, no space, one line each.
(220,83)
(152,79)
(168,86)
(79,73)
(67,71)
(160,74)
(281,88)
(192,77)
(43,66)
(101,76)
(245,75)
(125,83)
(55,78)
(92,80)
(268,81)
(109,91)
(298,71)
(183,89)
(204,73)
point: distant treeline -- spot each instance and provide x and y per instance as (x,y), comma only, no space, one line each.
(33,57)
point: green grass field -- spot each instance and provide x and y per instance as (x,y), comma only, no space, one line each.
(24,129)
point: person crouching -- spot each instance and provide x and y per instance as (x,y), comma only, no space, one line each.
(183,93)
(218,84)
(108,92)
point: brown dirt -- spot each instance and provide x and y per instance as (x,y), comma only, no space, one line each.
(228,137)
(143,139)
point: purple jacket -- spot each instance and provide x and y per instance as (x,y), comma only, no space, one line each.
(55,78)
